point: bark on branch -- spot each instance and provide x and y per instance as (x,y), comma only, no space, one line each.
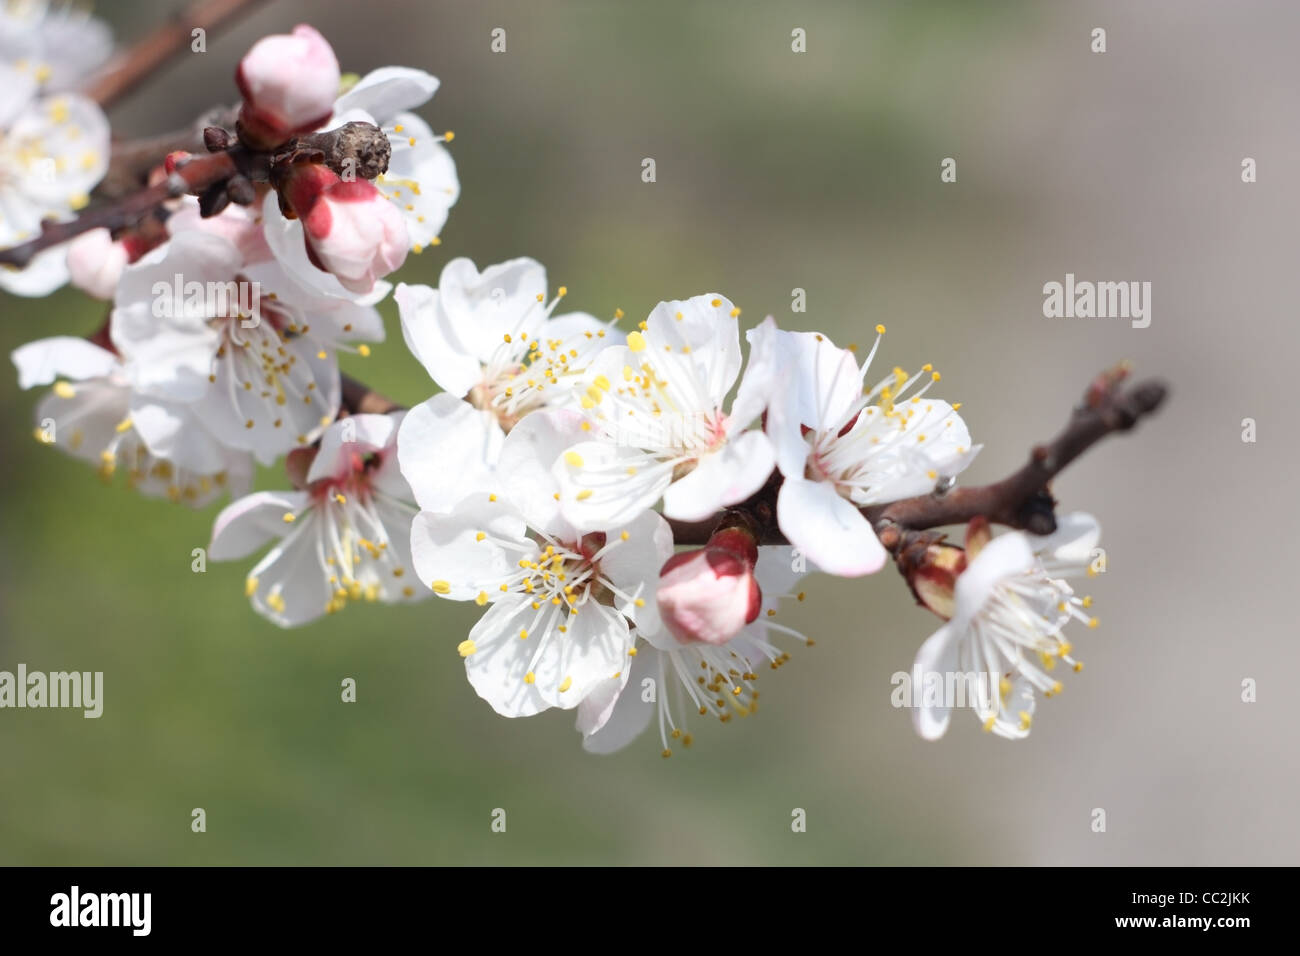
(1022,500)
(135,64)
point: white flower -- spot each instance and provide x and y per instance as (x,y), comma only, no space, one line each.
(344,536)
(490,341)
(421,178)
(1012,603)
(560,604)
(55,43)
(657,424)
(53,152)
(253,353)
(841,448)
(92,414)
(700,679)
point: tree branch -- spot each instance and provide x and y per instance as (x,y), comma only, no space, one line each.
(1022,500)
(135,64)
(193,177)
(361,399)
(133,160)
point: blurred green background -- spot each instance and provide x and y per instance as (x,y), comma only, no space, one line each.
(775,171)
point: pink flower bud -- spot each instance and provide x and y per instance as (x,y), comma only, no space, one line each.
(95,263)
(709,594)
(289,84)
(176,159)
(352,231)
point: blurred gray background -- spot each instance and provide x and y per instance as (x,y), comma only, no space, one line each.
(775,170)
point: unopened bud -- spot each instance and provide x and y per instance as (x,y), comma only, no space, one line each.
(351,230)
(289,83)
(708,595)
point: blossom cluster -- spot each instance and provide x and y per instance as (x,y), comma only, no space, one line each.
(547,478)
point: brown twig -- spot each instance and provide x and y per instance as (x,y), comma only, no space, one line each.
(361,399)
(195,176)
(1021,500)
(133,160)
(135,64)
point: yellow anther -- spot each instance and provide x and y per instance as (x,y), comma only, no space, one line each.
(636,341)
(441,587)
(289,517)
(466,648)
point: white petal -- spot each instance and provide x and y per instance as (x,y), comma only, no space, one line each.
(630,715)
(158,327)
(780,567)
(421,179)
(354,435)
(500,660)
(46,272)
(633,567)
(828,529)
(246,525)
(173,430)
(447,448)
(482,308)
(938,655)
(63,356)
(525,466)
(1072,542)
(1004,556)
(428,337)
(292,585)
(387,91)
(593,649)
(710,332)
(730,475)
(447,548)
(598,706)
(759,381)
(612,485)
